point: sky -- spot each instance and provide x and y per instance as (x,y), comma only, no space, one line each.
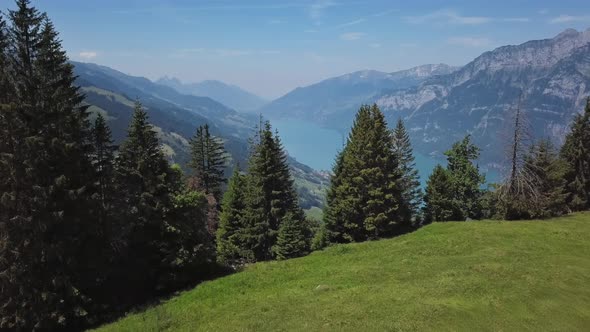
(270,47)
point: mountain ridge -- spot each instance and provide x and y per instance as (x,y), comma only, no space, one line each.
(228,94)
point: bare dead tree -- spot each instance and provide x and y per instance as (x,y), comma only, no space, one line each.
(519,190)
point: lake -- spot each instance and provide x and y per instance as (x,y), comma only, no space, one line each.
(317,147)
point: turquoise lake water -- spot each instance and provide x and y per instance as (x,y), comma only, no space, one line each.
(317,147)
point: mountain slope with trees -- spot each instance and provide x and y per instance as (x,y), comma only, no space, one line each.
(227,94)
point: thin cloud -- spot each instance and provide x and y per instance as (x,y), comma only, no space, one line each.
(316,9)
(365,18)
(385,13)
(222,52)
(375,45)
(276,21)
(569,19)
(517,19)
(352,36)
(469,41)
(453,17)
(448,16)
(355,22)
(543,11)
(88,55)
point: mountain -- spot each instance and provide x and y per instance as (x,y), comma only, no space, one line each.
(176,116)
(334,101)
(230,95)
(548,79)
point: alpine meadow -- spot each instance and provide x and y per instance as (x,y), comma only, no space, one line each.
(234,166)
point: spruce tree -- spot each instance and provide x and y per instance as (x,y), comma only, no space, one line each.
(364,197)
(410,180)
(438,200)
(293,239)
(145,187)
(191,245)
(270,194)
(208,161)
(576,152)
(47,214)
(103,160)
(466,180)
(231,221)
(550,173)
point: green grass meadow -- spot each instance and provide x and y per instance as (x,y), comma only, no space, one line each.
(456,276)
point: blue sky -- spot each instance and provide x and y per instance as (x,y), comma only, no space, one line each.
(270,47)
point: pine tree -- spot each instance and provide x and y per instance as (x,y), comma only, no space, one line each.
(466,180)
(192,248)
(550,172)
(208,161)
(103,161)
(145,187)
(438,202)
(270,194)
(410,180)
(576,152)
(364,197)
(231,222)
(47,212)
(293,239)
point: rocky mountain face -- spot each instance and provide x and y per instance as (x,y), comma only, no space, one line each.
(334,101)
(227,94)
(176,116)
(548,79)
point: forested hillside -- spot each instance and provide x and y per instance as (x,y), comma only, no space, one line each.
(117,193)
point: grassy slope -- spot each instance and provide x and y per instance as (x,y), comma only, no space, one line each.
(447,276)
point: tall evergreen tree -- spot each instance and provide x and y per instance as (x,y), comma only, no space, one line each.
(145,185)
(191,245)
(438,203)
(410,180)
(231,222)
(364,197)
(270,194)
(550,171)
(208,161)
(47,214)
(103,160)
(576,152)
(455,193)
(466,180)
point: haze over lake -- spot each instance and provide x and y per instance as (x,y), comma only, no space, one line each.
(317,147)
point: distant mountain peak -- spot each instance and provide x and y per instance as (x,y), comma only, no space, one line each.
(227,94)
(569,33)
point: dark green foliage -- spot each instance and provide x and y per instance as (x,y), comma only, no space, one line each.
(145,189)
(231,221)
(293,239)
(455,193)
(466,180)
(103,160)
(410,180)
(576,153)
(208,161)
(549,172)
(195,248)
(438,201)
(47,219)
(269,196)
(364,197)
